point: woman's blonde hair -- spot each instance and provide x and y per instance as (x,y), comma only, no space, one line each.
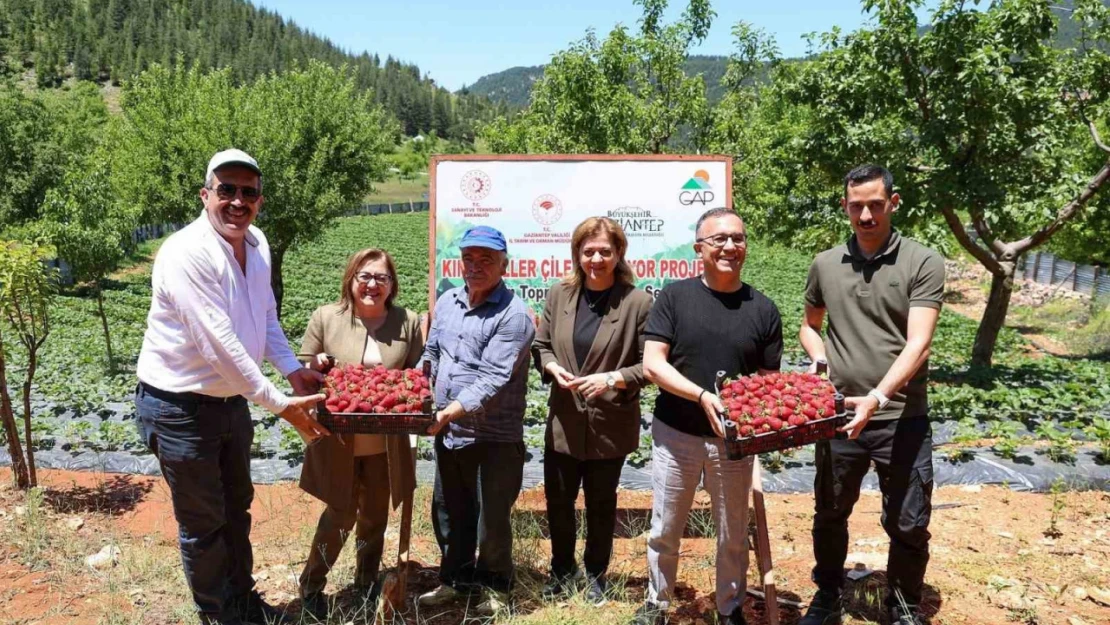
(357,260)
(588,229)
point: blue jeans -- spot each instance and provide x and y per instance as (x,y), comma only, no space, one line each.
(472,502)
(203,446)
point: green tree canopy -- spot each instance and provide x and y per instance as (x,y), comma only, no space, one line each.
(318,139)
(90,228)
(27,287)
(628,94)
(980,116)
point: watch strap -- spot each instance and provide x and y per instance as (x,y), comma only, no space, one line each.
(878,395)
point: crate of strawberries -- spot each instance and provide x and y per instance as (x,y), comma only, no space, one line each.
(773,412)
(376,400)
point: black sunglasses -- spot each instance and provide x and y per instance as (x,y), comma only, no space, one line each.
(226,191)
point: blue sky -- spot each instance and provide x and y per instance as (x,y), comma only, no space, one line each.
(457,42)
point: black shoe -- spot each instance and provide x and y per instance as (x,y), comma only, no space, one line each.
(559,586)
(555,588)
(907,615)
(825,609)
(369,594)
(649,614)
(316,605)
(736,618)
(252,610)
(595,591)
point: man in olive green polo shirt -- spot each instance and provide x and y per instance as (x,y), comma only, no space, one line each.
(882,295)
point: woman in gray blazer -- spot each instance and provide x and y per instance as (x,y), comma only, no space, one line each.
(590,343)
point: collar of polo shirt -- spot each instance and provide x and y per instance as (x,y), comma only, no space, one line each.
(890,246)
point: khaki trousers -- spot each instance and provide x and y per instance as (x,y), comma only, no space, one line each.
(368,514)
(679,462)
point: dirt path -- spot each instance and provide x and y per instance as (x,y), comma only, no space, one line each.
(991,559)
(965,294)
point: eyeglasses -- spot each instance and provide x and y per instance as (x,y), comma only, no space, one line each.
(719,240)
(603,252)
(380,278)
(227,191)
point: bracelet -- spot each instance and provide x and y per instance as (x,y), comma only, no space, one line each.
(703,391)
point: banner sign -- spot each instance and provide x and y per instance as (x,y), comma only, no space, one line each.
(538,200)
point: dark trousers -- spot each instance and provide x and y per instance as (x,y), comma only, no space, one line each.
(367,513)
(472,501)
(203,446)
(902,452)
(562,476)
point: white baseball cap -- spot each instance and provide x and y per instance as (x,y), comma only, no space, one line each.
(231,157)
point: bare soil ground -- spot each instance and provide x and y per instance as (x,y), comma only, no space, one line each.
(966,291)
(997,557)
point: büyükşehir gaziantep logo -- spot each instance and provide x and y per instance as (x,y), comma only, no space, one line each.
(475,185)
(547,209)
(699,181)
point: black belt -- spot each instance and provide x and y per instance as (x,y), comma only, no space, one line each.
(187,396)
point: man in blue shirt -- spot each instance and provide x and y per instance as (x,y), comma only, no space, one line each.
(478,347)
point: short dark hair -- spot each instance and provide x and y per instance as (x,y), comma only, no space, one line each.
(720,211)
(867,173)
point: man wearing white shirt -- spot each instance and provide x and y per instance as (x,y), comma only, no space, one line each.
(213,318)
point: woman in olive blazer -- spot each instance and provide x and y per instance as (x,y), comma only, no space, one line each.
(357,475)
(590,343)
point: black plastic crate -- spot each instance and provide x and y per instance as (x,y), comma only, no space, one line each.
(737,447)
(380,423)
(375,423)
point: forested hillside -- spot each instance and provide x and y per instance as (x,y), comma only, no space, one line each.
(110,40)
(513,86)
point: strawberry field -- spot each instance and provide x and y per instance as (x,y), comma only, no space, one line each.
(1031,411)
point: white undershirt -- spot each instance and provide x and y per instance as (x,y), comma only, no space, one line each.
(370,444)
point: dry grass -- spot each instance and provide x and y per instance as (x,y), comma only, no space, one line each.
(44,559)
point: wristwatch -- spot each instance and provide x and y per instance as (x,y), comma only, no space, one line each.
(878,395)
(610,381)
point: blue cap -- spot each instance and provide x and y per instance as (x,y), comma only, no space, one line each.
(483,236)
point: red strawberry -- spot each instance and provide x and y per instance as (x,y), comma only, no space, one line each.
(796,420)
(746,430)
(775,423)
(365,406)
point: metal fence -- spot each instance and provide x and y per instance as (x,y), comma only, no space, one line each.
(1046,268)
(154,231)
(378,209)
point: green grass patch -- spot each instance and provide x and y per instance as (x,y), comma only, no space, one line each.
(397,190)
(1081,326)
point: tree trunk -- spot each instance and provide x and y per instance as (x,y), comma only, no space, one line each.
(277,282)
(1002,285)
(32,364)
(104,324)
(11,432)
